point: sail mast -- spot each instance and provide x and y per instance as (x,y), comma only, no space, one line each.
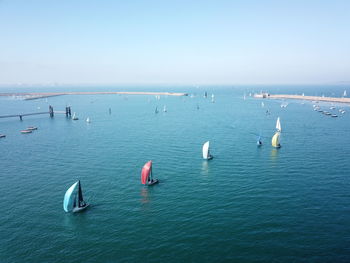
(80,195)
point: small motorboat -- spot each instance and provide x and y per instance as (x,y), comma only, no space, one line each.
(2,135)
(32,128)
(26,131)
(334,115)
(332,108)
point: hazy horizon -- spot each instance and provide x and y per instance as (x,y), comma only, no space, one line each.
(174,43)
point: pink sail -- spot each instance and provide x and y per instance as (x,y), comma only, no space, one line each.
(146,170)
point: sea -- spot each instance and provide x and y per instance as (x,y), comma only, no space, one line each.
(247,204)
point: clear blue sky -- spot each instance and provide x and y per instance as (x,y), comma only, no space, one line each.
(174,42)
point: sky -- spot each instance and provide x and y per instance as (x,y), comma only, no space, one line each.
(174,42)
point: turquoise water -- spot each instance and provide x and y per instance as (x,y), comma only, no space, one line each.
(248,204)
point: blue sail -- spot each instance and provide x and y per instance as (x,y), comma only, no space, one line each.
(67,201)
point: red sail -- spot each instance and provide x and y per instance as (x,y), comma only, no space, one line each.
(146,170)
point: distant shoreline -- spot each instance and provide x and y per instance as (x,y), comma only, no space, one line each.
(300,97)
(40,95)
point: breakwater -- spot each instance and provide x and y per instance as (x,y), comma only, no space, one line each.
(40,95)
(301,97)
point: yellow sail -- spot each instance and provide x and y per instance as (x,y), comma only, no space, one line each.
(276,140)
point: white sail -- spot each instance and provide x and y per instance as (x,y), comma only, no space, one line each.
(278,125)
(164,109)
(262,104)
(74,117)
(67,201)
(88,120)
(344,94)
(206,150)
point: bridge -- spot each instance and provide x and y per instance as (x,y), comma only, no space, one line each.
(51,113)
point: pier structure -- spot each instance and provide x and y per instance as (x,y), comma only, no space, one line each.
(51,113)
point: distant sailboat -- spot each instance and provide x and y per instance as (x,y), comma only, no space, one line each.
(259,142)
(212,98)
(156,110)
(276,140)
(278,125)
(344,93)
(276,137)
(72,202)
(88,120)
(205,94)
(164,109)
(146,174)
(262,104)
(206,152)
(74,118)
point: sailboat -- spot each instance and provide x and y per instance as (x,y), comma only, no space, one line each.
(72,202)
(259,142)
(74,118)
(276,137)
(344,94)
(164,109)
(212,98)
(262,104)
(205,94)
(278,125)
(88,120)
(156,110)
(205,151)
(147,176)
(276,140)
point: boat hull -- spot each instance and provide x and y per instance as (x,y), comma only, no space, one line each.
(155,181)
(79,209)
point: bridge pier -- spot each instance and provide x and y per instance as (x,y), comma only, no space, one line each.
(68,112)
(51,111)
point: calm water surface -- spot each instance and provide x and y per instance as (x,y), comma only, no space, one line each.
(248,204)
